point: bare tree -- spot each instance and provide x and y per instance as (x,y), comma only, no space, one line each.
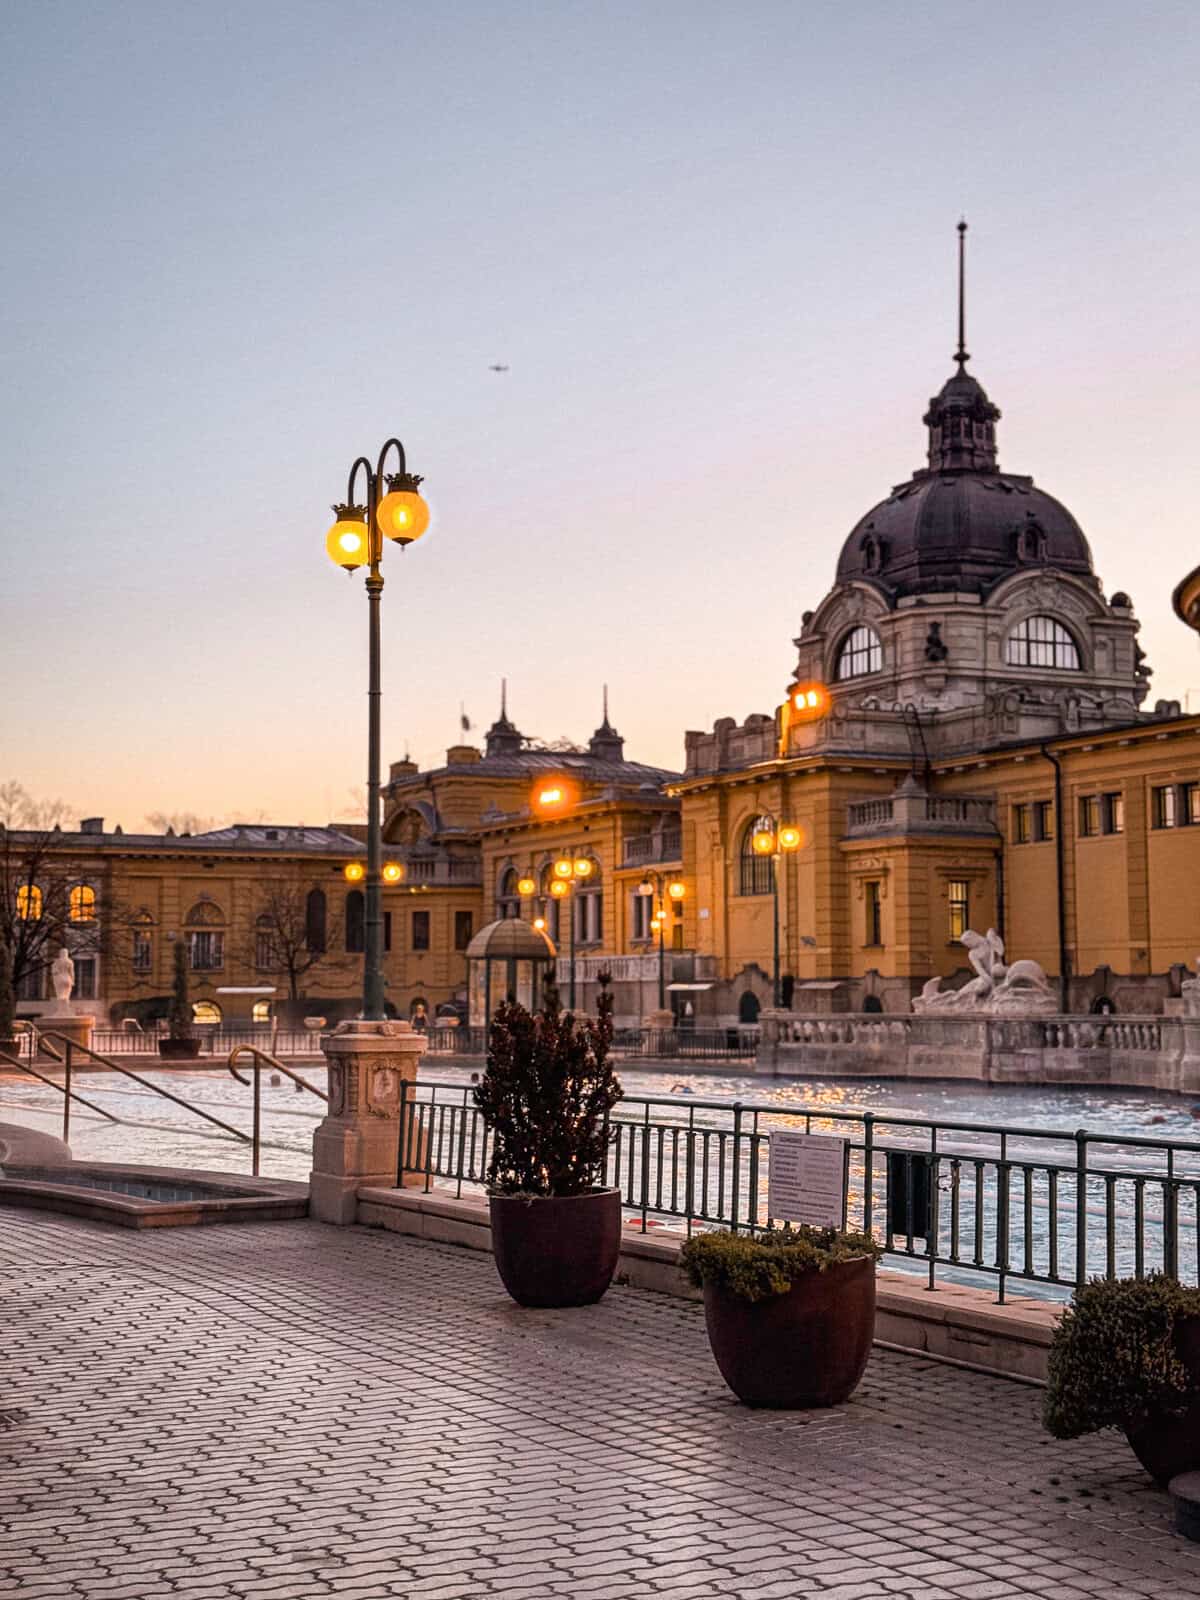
(294,932)
(179,822)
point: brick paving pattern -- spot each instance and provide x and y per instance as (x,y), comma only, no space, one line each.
(286,1410)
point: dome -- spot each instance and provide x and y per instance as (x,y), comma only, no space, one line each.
(510,938)
(960,523)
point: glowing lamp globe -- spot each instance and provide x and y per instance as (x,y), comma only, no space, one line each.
(810,699)
(791,838)
(676,891)
(354,872)
(346,541)
(560,887)
(402,515)
(526,886)
(763,843)
(562,869)
(393,872)
(540,924)
(583,867)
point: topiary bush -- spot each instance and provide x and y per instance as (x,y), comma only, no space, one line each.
(545,1095)
(179,1016)
(758,1266)
(1113,1362)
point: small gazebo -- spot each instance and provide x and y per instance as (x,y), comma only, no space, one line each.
(506,959)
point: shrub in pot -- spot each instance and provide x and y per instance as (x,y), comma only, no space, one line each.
(790,1312)
(1126,1355)
(546,1095)
(180,1043)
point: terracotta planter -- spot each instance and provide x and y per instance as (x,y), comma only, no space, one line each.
(806,1348)
(556,1250)
(179,1049)
(1169,1446)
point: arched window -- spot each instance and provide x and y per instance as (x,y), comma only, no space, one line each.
(356,922)
(508,900)
(205,937)
(261,1011)
(755,874)
(206,1011)
(142,952)
(1042,642)
(860,652)
(81,904)
(29,902)
(748,1007)
(587,899)
(314,921)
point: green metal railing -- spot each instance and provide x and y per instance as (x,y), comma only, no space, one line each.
(1010,1203)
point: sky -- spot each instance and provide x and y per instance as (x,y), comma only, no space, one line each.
(713,244)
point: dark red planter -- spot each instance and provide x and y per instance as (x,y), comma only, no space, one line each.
(806,1348)
(556,1251)
(179,1049)
(1169,1446)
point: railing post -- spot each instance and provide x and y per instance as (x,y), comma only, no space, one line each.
(1171,1220)
(737,1164)
(67,1096)
(868,1172)
(1081,1143)
(257,1131)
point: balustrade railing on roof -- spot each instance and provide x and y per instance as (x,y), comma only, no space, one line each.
(643,849)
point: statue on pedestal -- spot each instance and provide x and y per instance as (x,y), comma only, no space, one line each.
(62,980)
(1021,989)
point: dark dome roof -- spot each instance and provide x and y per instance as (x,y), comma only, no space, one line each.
(961,523)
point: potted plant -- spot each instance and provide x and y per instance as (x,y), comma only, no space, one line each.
(1126,1354)
(545,1096)
(8,1007)
(790,1312)
(180,1043)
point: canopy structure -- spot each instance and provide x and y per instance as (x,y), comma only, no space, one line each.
(507,960)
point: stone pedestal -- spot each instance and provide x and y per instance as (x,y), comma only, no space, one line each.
(659,1021)
(358,1143)
(74,1025)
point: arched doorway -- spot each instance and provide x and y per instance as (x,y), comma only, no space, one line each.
(748,1007)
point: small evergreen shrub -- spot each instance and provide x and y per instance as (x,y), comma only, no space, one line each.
(179,1017)
(545,1095)
(1113,1362)
(758,1266)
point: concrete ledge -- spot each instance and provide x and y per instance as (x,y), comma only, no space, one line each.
(951,1322)
(214,1196)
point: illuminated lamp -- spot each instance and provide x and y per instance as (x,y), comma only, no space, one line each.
(560,887)
(402,514)
(540,924)
(346,542)
(393,872)
(791,838)
(810,699)
(676,890)
(526,886)
(562,869)
(550,796)
(354,872)
(763,842)
(583,867)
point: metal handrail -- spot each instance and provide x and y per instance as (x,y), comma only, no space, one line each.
(64,1089)
(276,1066)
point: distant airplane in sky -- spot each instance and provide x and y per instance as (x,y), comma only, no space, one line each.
(495,367)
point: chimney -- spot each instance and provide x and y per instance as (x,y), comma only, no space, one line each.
(92,825)
(462,755)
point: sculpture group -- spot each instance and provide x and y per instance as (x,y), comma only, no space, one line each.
(1019,989)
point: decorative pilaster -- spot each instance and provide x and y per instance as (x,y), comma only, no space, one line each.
(358,1143)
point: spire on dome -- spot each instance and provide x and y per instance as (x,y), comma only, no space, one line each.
(502,738)
(961,419)
(606,744)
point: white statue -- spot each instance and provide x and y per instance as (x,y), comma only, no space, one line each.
(1019,989)
(1190,990)
(62,974)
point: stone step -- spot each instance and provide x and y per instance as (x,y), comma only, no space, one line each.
(1185,1493)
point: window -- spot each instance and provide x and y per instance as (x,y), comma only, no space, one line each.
(81,904)
(261,1011)
(643,910)
(874,895)
(508,900)
(1042,642)
(462,929)
(420,930)
(264,943)
(356,922)
(1022,824)
(29,902)
(85,978)
(206,950)
(206,1011)
(1166,806)
(1112,812)
(860,653)
(1190,796)
(756,873)
(960,908)
(1043,819)
(589,916)
(142,953)
(1089,815)
(314,921)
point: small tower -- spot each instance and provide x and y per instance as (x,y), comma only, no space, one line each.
(502,738)
(606,744)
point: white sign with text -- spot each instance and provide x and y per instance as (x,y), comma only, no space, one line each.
(806,1179)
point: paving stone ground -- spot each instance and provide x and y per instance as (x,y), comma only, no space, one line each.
(287,1410)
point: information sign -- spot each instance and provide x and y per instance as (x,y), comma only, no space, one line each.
(807,1179)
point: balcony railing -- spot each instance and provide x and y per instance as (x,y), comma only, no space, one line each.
(439,871)
(646,849)
(926,813)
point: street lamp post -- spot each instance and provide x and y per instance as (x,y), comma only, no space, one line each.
(570,873)
(652,884)
(776,842)
(356,540)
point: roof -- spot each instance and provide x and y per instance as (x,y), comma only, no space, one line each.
(259,838)
(510,938)
(527,762)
